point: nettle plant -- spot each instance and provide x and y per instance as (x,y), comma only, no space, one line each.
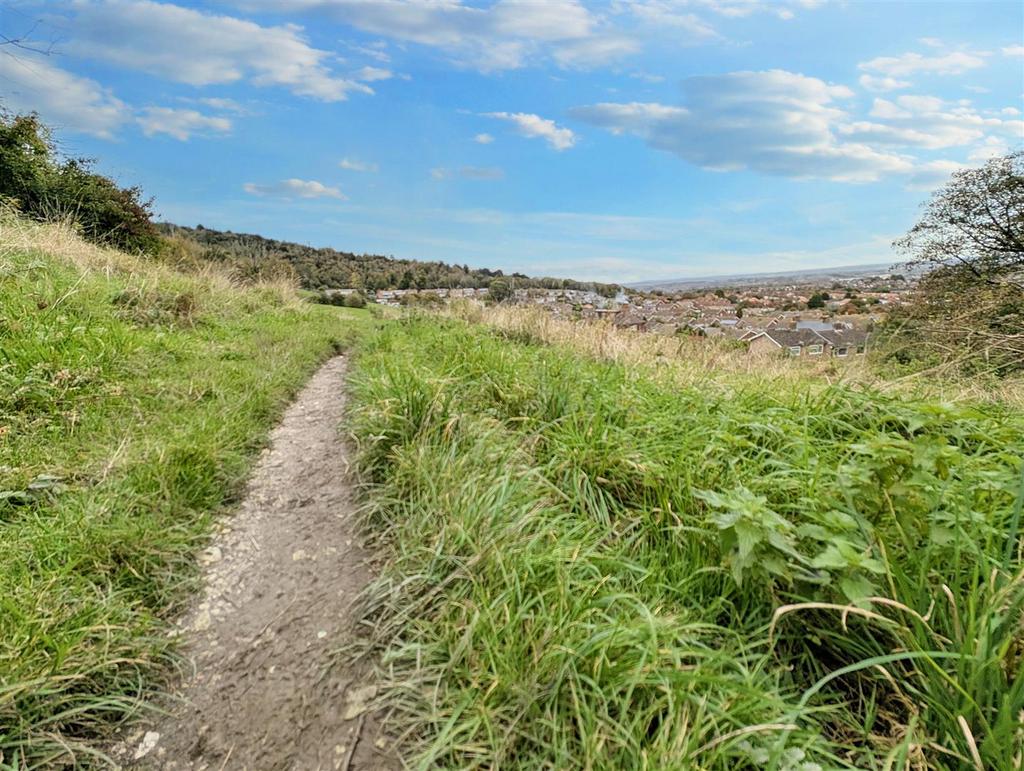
(762,546)
(892,497)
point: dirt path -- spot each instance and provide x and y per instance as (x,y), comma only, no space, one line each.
(280,579)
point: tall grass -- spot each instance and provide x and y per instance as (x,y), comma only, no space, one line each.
(689,360)
(594,566)
(132,401)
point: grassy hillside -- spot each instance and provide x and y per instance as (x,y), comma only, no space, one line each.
(319,268)
(132,402)
(602,565)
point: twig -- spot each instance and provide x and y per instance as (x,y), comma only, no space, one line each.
(355,740)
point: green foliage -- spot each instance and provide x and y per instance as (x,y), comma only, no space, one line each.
(131,406)
(329,268)
(499,290)
(818,300)
(590,567)
(969,314)
(43,186)
(355,300)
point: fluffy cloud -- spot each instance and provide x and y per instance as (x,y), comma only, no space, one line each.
(34,83)
(680,14)
(1013,51)
(928,176)
(955,63)
(351,164)
(483,139)
(295,188)
(180,124)
(876,83)
(67,101)
(774,122)
(372,74)
(534,126)
(504,35)
(187,46)
(930,123)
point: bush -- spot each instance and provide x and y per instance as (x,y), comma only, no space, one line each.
(43,186)
(355,300)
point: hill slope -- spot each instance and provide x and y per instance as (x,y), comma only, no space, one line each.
(132,402)
(321,268)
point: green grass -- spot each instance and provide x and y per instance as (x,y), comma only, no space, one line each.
(592,566)
(132,403)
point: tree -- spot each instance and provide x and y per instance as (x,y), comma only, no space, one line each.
(975,224)
(499,290)
(817,300)
(970,308)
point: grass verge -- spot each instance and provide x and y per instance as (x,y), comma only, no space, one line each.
(592,565)
(132,402)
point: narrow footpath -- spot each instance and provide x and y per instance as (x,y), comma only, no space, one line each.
(281,575)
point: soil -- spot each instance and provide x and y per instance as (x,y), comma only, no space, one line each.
(268,690)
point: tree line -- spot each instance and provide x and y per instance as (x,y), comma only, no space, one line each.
(326,268)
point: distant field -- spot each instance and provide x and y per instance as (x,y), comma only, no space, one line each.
(607,565)
(132,402)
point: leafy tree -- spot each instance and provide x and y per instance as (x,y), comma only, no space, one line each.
(499,290)
(817,300)
(975,224)
(970,308)
(42,185)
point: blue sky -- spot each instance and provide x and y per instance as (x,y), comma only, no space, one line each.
(621,140)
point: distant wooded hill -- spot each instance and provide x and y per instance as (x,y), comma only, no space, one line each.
(323,268)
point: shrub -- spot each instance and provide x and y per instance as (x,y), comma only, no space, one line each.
(44,186)
(355,300)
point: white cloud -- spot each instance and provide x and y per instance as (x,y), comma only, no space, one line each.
(295,188)
(876,83)
(681,17)
(931,175)
(188,46)
(482,172)
(594,51)
(1013,51)
(534,126)
(483,139)
(372,74)
(180,124)
(955,63)
(929,122)
(34,83)
(351,164)
(774,122)
(674,16)
(506,34)
(224,105)
(990,148)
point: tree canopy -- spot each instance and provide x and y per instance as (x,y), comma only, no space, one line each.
(976,224)
(970,308)
(41,184)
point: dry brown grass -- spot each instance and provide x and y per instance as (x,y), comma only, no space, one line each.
(208,285)
(689,360)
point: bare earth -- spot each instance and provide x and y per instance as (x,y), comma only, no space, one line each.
(280,578)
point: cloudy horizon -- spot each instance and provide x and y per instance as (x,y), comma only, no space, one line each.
(616,141)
